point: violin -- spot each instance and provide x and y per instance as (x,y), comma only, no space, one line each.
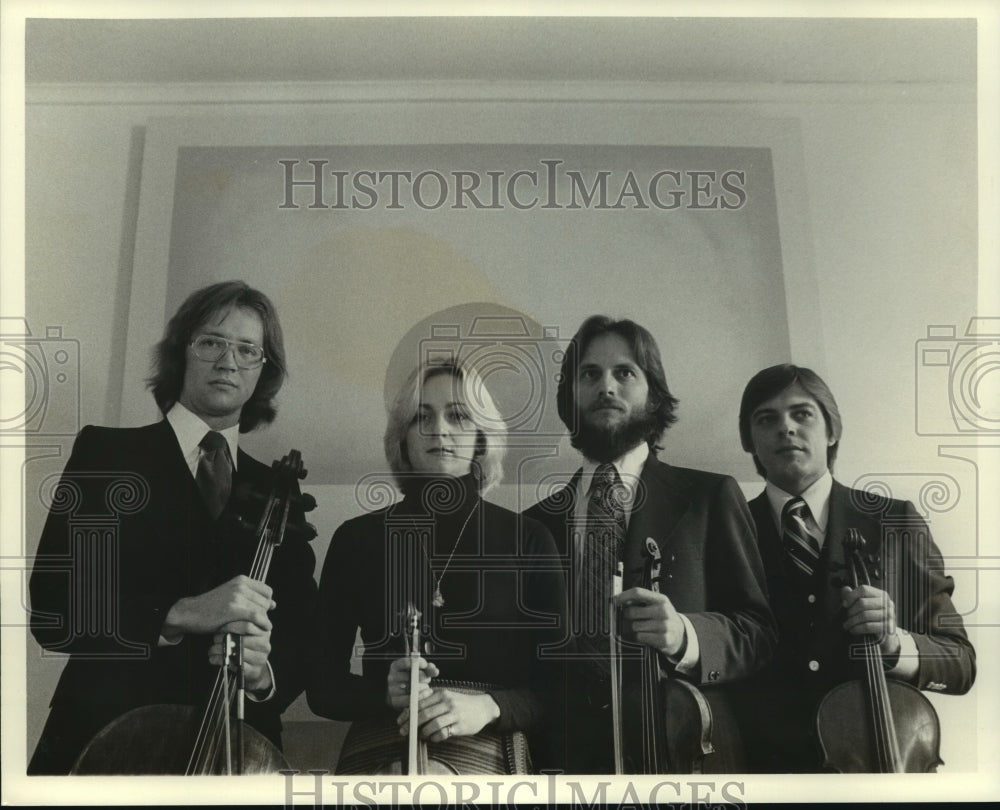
(877,725)
(373,745)
(178,739)
(670,724)
(417,760)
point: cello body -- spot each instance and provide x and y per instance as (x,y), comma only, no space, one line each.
(850,746)
(155,740)
(876,725)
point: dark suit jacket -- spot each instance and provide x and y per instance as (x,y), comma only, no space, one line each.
(127,536)
(711,571)
(813,649)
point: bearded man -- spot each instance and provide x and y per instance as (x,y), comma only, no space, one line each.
(709,622)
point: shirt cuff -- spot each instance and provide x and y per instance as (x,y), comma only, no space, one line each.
(908,662)
(692,652)
(165,642)
(258,698)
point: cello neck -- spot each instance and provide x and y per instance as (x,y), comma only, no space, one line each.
(883,725)
(213,734)
(416,749)
(653,733)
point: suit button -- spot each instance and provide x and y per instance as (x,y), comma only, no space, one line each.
(713,675)
(811,598)
(814,665)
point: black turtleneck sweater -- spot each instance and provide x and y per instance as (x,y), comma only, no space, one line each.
(503,596)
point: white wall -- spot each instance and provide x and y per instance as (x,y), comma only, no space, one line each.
(891,179)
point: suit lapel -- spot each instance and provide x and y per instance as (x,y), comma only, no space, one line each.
(661,501)
(845,515)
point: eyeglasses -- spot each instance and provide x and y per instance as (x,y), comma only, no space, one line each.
(211,348)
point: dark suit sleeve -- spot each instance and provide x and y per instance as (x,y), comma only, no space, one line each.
(947,658)
(84,578)
(333,690)
(527,706)
(738,635)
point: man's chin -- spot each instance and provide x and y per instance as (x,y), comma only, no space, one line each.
(609,441)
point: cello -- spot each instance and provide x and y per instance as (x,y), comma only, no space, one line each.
(878,725)
(671,722)
(177,739)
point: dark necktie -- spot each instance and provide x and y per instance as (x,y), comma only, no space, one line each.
(215,475)
(800,535)
(602,544)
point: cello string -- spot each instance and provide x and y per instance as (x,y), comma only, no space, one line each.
(212,727)
(886,743)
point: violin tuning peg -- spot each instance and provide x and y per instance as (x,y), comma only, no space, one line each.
(877,573)
(308,502)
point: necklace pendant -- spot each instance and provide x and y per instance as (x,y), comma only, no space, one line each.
(438,599)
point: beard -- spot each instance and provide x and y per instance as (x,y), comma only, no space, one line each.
(606,443)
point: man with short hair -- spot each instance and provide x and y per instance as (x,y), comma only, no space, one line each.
(141,606)
(790,422)
(709,623)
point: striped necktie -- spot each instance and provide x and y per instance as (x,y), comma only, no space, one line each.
(215,473)
(801,535)
(603,541)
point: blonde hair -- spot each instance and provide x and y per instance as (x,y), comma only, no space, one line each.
(491,429)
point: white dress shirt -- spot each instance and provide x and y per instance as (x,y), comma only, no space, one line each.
(190,429)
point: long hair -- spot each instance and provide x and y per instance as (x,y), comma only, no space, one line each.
(491,430)
(772,381)
(662,404)
(201,307)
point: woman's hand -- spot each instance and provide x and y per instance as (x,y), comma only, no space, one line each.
(445,714)
(397,693)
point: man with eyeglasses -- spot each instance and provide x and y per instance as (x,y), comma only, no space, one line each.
(142,611)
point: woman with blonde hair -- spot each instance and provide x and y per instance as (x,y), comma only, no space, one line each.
(485,581)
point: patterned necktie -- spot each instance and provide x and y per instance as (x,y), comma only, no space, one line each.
(800,535)
(215,474)
(603,541)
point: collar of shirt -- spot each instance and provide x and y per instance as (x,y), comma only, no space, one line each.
(629,467)
(817,497)
(191,429)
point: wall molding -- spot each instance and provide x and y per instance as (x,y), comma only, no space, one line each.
(256,93)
